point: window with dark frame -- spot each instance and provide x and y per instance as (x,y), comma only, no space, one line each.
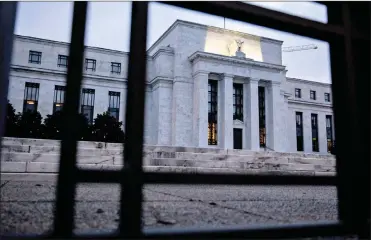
(327,97)
(34,57)
(299,131)
(314,121)
(59,92)
(312,95)
(114,104)
(238,101)
(212,112)
(329,133)
(297,93)
(31,97)
(90,64)
(62,61)
(87,103)
(262,130)
(115,67)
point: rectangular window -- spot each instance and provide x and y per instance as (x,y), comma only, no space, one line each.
(34,57)
(329,132)
(297,93)
(62,61)
(115,67)
(312,95)
(87,103)
(59,92)
(327,97)
(238,101)
(212,112)
(90,64)
(262,130)
(299,132)
(114,104)
(314,120)
(31,97)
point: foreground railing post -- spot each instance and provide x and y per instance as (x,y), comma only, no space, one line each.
(7,22)
(132,174)
(64,209)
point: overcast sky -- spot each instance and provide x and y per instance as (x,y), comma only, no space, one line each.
(108,26)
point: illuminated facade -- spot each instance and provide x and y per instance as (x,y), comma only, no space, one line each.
(206,87)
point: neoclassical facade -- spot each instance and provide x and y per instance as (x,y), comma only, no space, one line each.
(206,87)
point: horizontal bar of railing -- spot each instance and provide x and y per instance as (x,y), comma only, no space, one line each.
(114,176)
(313,229)
(268,18)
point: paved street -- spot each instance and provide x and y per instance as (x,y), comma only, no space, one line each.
(26,206)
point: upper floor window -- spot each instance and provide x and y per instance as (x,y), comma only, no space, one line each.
(312,95)
(59,92)
(31,96)
(297,92)
(62,61)
(34,57)
(90,64)
(115,67)
(114,104)
(327,97)
(238,102)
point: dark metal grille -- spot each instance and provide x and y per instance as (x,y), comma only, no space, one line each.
(348,34)
(87,103)
(297,92)
(115,68)
(212,136)
(329,132)
(31,96)
(62,61)
(299,131)
(314,123)
(90,64)
(114,104)
(34,57)
(238,101)
(59,92)
(312,95)
(327,97)
(262,129)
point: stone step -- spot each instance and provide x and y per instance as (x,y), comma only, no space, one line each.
(157,152)
(39,167)
(270,164)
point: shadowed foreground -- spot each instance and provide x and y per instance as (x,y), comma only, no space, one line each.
(26,206)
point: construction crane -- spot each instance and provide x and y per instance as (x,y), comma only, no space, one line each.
(299,48)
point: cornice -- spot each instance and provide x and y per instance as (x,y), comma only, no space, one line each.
(294,80)
(158,79)
(310,103)
(165,50)
(62,73)
(212,56)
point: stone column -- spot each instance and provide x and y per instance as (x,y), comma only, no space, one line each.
(200,109)
(307,131)
(273,123)
(322,135)
(251,114)
(227,111)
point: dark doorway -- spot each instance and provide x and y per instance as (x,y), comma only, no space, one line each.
(237,138)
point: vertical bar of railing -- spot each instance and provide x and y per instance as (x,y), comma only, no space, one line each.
(132,180)
(64,209)
(7,21)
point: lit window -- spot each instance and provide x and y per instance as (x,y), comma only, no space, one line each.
(212,112)
(59,92)
(31,96)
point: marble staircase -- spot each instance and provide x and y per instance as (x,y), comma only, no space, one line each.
(42,156)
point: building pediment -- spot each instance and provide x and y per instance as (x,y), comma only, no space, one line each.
(237,122)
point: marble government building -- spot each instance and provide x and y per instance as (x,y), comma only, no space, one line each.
(206,87)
